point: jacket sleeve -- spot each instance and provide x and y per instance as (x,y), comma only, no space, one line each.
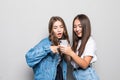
(36,54)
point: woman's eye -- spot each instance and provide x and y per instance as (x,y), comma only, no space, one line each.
(80,26)
(55,27)
(74,26)
(61,26)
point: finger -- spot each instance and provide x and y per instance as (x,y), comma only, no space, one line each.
(68,45)
(61,46)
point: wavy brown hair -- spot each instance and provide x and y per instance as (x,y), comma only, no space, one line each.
(86,32)
(52,37)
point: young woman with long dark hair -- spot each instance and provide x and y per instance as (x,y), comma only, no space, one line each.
(45,58)
(83,50)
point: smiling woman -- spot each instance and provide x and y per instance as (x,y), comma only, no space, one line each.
(82,52)
(77,27)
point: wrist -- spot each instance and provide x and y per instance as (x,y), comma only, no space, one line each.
(72,53)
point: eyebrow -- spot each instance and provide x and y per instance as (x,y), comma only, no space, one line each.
(54,26)
(58,25)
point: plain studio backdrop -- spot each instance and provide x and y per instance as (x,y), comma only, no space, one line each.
(23,23)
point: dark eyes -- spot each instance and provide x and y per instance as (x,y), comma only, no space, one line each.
(75,26)
(55,27)
(80,26)
(61,26)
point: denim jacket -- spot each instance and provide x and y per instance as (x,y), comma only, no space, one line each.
(44,62)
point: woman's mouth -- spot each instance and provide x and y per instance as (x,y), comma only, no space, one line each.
(79,34)
(59,35)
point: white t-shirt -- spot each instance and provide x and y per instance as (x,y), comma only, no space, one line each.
(89,50)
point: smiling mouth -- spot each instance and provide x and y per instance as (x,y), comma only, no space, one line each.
(78,32)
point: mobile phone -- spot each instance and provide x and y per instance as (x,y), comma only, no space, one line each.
(63,42)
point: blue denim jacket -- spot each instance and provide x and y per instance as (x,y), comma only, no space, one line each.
(44,62)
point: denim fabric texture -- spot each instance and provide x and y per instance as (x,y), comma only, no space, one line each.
(85,74)
(43,62)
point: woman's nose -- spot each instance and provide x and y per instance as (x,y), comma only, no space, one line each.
(77,28)
(59,29)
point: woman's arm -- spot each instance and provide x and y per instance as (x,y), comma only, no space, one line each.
(37,53)
(82,62)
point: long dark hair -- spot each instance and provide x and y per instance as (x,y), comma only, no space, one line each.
(86,32)
(52,36)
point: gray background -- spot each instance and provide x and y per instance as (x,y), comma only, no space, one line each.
(23,23)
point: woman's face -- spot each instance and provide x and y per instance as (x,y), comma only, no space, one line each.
(77,28)
(58,29)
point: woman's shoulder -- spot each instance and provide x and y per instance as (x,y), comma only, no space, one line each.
(45,40)
(91,40)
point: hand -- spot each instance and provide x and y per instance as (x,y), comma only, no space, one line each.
(65,49)
(54,49)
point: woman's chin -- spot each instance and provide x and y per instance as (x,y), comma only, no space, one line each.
(59,37)
(79,35)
